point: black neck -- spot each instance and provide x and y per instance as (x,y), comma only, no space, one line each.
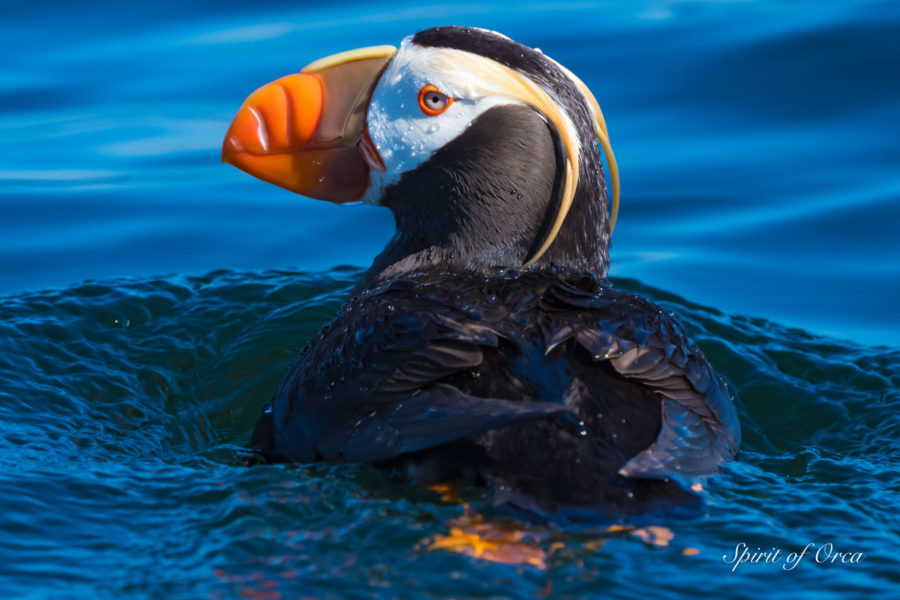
(488,198)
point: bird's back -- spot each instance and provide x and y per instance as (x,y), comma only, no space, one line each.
(554,389)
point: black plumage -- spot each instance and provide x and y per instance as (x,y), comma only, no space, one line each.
(545,384)
(542,385)
(488,197)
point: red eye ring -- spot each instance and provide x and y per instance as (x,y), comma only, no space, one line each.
(433,101)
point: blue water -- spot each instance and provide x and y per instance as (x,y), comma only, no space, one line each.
(151,298)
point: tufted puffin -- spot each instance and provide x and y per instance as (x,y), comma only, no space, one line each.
(485,343)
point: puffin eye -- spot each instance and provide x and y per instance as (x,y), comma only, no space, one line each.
(433,101)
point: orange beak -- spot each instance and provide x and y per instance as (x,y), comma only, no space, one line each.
(307,132)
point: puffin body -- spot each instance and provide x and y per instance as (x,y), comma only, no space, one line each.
(485,343)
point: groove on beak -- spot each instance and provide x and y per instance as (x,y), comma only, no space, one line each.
(306,132)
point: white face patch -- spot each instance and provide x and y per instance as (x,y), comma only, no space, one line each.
(403,134)
(406,133)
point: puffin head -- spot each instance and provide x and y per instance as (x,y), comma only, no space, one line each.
(484,149)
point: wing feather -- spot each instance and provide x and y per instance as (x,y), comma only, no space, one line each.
(644,344)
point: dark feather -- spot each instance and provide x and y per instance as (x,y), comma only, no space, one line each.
(567,393)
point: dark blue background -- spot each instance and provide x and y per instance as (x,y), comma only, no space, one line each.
(758,143)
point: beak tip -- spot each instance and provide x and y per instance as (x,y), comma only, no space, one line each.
(230,147)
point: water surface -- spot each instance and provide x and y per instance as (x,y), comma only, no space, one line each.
(152,298)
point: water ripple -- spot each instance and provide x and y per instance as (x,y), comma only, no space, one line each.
(126,404)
